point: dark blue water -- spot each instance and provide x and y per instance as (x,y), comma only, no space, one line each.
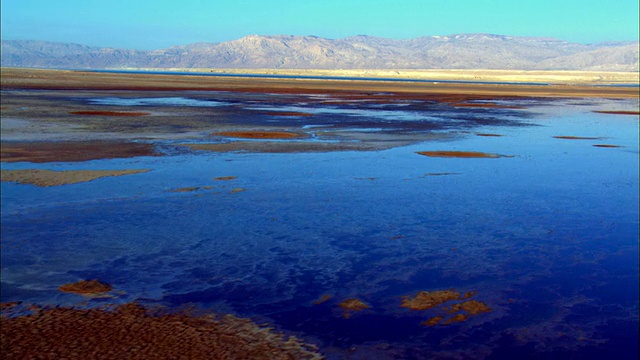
(548,238)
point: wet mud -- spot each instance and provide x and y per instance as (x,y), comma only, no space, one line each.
(73,151)
(133,332)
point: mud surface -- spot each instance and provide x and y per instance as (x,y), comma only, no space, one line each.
(72,151)
(45,178)
(132,332)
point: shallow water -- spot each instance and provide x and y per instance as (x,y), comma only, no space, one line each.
(548,238)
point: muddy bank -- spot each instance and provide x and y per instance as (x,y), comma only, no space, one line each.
(72,151)
(45,178)
(130,331)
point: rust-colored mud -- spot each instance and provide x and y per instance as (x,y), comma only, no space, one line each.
(260,134)
(471,307)
(132,332)
(433,321)
(288,113)
(461,154)
(606,146)
(322,299)
(576,138)
(46,178)
(488,135)
(429,299)
(9,305)
(225,178)
(455,319)
(618,112)
(352,305)
(108,113)
(86,287)
(68,151)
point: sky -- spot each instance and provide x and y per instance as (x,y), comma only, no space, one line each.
(158,24)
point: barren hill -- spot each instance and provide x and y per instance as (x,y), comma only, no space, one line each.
(463,51)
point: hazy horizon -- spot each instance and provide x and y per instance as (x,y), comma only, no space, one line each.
(149,25)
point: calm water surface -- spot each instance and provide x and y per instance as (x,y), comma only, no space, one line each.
(547,238)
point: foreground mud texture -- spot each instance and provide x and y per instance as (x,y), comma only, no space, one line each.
(132,332)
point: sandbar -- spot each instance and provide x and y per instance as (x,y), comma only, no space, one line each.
(45,178)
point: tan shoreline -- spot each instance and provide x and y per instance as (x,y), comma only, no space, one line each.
(566,77)
(13,78)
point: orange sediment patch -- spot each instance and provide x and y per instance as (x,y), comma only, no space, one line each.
(461,154)
(135,332)
(606,146)
(287,113)
(433,321)
(429,299)
(488,135)
(618,112)
(576,137)
(46,178)
(260,134)
(471,307)
(351,305)
(108,113)
(69,151)
(322,299)
(455,319)
(86,287)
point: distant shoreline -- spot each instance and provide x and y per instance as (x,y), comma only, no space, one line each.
(21,78)
(553,77)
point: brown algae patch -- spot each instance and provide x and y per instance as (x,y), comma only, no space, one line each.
(461,154)
(46,178)
(606,146)
(352,305)
(224,178)
(86,287)
(261,134)
(429,299)
(576,137)
(133,331)
(618,112)
(108,113)
(69,151)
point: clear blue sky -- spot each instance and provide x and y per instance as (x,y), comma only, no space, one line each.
(155,24)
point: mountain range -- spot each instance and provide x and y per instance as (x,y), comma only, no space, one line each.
(462,51)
